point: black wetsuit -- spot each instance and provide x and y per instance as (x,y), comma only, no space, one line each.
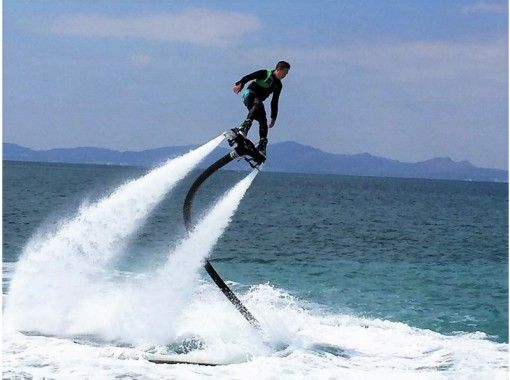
(264,84)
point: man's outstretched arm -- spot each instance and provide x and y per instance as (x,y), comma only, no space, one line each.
(260,74)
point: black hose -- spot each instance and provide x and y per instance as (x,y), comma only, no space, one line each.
(186,211)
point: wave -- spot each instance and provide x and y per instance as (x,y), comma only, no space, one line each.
(299,339)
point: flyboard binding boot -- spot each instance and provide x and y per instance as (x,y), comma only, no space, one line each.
(262,145)
(246,149)
(242,131)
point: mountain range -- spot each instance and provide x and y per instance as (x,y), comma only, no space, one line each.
(282,157)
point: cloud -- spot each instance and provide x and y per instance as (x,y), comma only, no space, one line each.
(482,7)
(204,27)
(477,65)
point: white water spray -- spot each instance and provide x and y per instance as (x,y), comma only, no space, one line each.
(148,310)
(56,269)
(206,233)
(182,267)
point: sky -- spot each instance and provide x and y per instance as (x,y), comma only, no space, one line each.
(406,80)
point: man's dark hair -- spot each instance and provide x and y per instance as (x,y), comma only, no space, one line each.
(282,65)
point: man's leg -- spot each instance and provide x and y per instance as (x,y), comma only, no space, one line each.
(256,111)
(263,129)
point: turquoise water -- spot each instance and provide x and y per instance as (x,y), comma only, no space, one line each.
(430,254)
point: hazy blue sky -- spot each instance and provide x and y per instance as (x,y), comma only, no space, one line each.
(408,80)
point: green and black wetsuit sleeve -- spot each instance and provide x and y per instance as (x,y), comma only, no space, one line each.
(259,74)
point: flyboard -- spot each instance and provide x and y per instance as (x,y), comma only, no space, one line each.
(242,148)
(168,360)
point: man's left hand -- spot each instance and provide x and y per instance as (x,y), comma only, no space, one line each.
(238,87)
(271,124)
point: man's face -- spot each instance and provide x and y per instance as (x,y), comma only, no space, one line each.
(281,73)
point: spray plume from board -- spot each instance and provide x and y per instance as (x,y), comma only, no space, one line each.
(55,268)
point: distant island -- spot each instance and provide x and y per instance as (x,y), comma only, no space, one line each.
(283,157)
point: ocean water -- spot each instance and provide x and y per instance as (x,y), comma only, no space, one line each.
(350,277)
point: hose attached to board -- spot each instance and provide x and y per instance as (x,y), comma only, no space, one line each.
(186,210)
